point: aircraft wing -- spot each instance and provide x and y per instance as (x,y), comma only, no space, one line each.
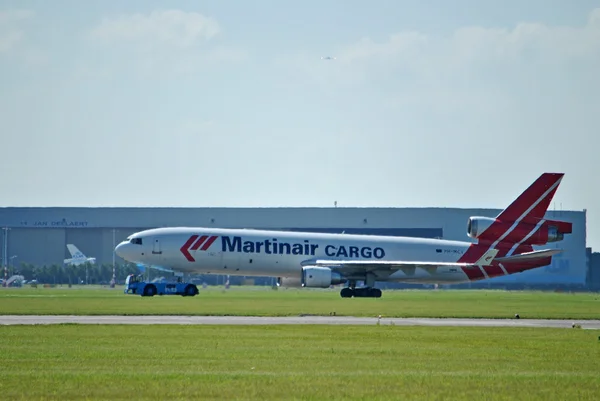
(349,267)
(484,260)
(143,267)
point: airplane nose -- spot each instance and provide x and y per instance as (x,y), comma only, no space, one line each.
(121,250)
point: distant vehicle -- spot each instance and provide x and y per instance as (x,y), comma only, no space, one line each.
(77,257)
(137,286)
(305,259)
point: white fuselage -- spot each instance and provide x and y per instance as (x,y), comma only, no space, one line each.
(282,254)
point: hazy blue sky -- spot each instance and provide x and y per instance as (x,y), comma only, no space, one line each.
(228,103)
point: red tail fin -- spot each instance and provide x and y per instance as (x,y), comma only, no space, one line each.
(520,226)
(531,205)
(522,222)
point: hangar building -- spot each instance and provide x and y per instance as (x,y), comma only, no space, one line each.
(39,235)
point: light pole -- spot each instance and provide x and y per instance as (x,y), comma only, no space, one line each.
(12,263)
(114,278)
(5,254)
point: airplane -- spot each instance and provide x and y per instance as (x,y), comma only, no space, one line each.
(77,257)
(503,245)
(327,58)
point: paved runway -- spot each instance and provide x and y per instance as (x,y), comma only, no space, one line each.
(326,320)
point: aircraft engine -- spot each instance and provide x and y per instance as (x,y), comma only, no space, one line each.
(523,233)
(478,225)
(320,277)
(554,234)
(289,282)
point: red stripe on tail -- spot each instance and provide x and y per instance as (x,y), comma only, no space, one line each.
(493,271)
(536,192)
(519,219)
(473,273)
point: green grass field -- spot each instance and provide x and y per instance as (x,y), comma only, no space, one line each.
(75,362)
(261,301)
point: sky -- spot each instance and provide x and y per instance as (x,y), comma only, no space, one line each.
(229,103)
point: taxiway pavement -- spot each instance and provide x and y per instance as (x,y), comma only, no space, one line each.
(322,320)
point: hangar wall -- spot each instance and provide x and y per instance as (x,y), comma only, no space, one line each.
(39,235)
(594,270)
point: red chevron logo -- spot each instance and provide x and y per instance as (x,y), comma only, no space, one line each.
(194,242)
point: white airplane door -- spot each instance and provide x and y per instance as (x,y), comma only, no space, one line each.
(156,249)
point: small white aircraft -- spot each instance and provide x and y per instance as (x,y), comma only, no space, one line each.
(327,58)
(305,259)
(77,257)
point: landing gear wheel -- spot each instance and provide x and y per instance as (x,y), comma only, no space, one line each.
(360,293)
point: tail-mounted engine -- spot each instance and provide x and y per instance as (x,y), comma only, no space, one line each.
(477,225)
(490,229)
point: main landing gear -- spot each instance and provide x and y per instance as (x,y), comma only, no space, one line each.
(364,292)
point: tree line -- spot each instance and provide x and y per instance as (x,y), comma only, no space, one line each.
(102,274)
(85,273)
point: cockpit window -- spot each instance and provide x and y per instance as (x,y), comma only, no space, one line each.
(137,241)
